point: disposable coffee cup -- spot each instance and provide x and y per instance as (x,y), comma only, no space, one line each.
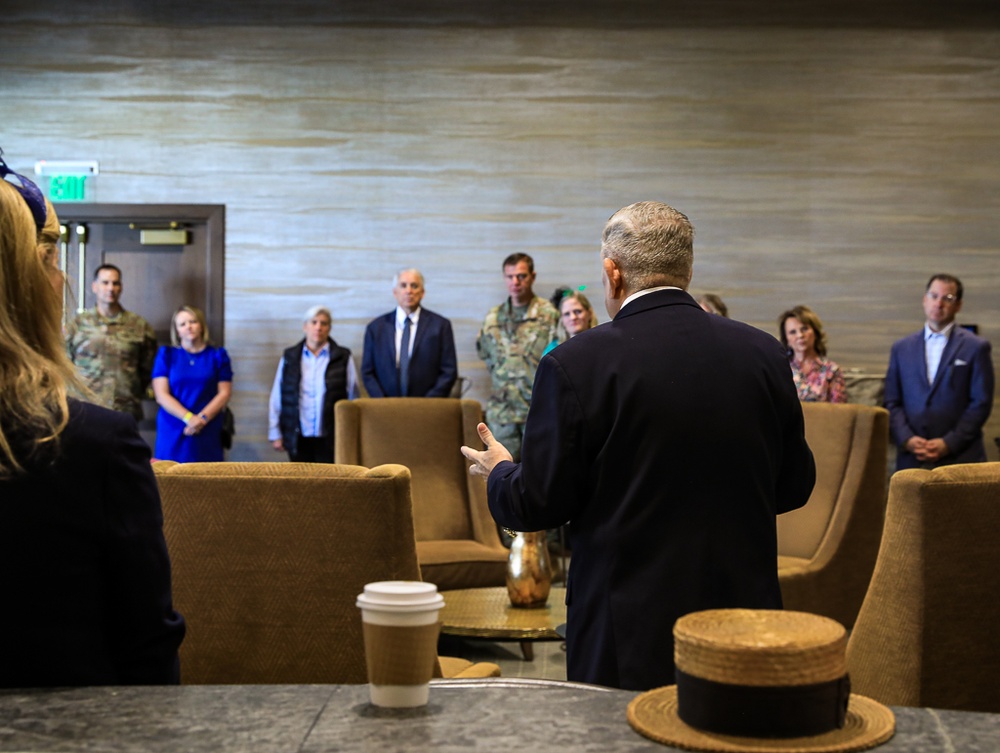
(400,621)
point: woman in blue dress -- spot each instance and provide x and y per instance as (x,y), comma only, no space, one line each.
(192,382)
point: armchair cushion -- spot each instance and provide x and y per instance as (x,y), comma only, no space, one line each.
(926,633)
(268,559)
(457,541)
(827,549)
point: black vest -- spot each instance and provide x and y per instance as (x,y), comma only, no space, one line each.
(291,377)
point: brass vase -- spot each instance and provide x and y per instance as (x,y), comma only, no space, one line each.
(529,570)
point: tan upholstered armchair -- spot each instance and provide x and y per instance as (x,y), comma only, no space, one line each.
(268,559)
(927,632)
(457,542)
(827,549)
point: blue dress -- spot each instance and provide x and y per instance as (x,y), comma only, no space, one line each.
(194,380)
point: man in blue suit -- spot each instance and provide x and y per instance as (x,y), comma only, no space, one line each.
(409,352)
(939,387)
(670,470)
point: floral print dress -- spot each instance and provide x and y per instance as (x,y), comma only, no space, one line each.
(821,381)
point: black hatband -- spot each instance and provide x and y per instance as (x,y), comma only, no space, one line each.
(754,711)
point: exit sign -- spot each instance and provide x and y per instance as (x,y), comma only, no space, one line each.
(66,180)
(68,188)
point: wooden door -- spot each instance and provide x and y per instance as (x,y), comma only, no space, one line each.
(169,254)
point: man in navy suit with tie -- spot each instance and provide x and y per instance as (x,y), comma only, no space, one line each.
(409,352)
(939,387)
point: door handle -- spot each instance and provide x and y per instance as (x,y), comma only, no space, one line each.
(81,270)
(63,260)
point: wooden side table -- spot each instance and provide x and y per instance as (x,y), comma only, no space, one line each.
(486,613)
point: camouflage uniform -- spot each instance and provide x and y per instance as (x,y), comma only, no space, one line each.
(114,357)
(512,346)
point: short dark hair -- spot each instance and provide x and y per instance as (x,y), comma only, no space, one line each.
(949,279)
(515,259)
(112,267)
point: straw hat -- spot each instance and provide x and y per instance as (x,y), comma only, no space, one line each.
(760,681)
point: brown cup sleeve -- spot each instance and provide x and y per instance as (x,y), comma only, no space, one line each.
(400,655)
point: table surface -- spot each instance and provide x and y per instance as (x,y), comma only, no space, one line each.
(463,715)
(487,613)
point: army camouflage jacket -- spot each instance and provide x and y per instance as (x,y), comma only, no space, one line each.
(114,357)
(512,346)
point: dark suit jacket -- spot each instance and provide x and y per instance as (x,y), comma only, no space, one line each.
(433,367)
(84,570)
(954,408)
(670,439)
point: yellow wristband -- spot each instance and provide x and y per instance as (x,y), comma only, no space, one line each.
(187,416)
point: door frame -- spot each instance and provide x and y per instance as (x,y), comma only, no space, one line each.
(212,215)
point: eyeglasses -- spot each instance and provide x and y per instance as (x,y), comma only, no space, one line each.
(31,194)
(950,299)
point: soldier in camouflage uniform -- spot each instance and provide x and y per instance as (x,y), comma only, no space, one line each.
(113,349)
(511,342)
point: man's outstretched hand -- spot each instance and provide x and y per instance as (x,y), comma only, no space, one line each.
(483,462)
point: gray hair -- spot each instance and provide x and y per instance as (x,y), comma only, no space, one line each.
(652,243)
(315,311)
(414,270)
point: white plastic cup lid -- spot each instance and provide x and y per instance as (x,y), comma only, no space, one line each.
(400,596)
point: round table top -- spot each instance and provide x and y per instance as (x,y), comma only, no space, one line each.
(463,716)
(487,613)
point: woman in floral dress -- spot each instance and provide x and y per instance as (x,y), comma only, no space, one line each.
(817,378)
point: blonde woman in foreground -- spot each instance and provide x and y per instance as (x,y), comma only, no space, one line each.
(83,564)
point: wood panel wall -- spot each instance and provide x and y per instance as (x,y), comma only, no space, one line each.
(834,156)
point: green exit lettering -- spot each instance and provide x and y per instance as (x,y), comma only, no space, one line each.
(67,187)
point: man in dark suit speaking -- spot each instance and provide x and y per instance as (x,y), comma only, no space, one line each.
(409,352)
(670,439)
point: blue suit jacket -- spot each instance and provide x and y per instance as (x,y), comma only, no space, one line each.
(954,408)
(627,426)
(433,367)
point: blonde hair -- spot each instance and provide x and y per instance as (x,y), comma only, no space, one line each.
(34,368)
(583,301)
(48,249)
(197,314)
(51,230)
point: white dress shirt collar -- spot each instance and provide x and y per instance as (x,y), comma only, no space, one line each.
(945,333)
(401,318)
(934,345)
(325,350)
(647,291)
